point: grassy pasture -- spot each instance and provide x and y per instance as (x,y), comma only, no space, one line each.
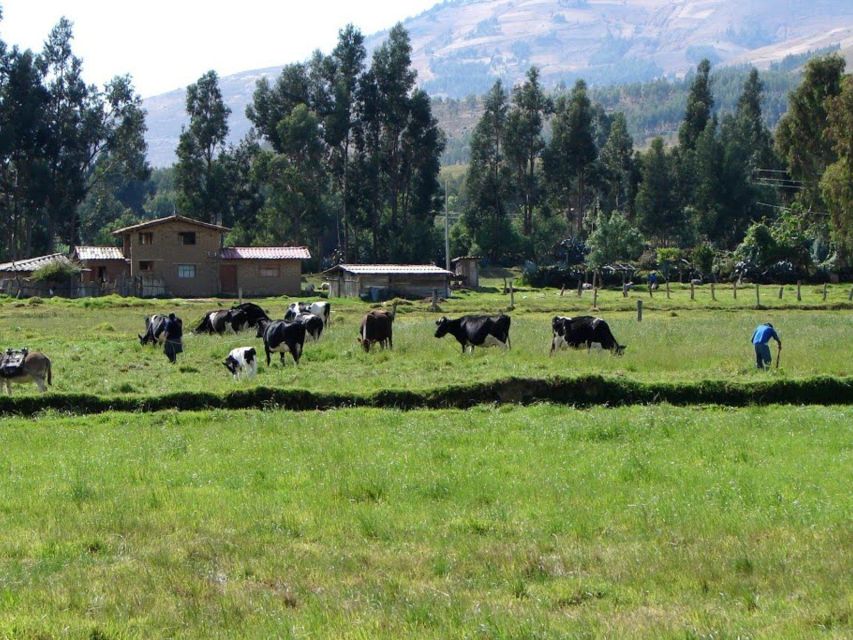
(539,522)
(94,348)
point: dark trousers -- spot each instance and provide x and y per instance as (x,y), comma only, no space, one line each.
(172,348)
(762,356)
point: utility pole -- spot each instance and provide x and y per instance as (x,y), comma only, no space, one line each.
(446,231)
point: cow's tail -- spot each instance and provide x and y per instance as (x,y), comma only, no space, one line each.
(204,325)
(328,315)
(49,372)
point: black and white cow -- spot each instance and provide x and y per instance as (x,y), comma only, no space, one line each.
(583,331)
(313,324)
(154,326)
(321,309)
(242,362)
(282,337)
(254,313)
(223,320)
(476,331)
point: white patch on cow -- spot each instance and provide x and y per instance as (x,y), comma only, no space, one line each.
(244,368)
(559,342)
(492,341)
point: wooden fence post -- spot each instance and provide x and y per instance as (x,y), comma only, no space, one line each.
(580,288)
(850,297)
(781,289)
(757,295)
(624,289)
(240,294)
(562,289)
(734,289)
(667,289)
(511,296)
(825,286)
(434,300)
(799,295)
(595,298)
(713,293)
(692,291)
(639,310)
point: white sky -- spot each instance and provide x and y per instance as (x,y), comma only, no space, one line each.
(166,45)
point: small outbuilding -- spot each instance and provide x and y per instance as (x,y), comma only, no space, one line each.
(467,270)
(262,271)
(101,264)
(25,268)
(383,281)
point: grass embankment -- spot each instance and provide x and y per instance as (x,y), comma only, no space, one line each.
(95,351)
(543,522)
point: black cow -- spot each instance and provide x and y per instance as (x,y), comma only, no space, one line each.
(222,320)
(154,326)
(313,324)
(254,313)
(583,331)
(377,327)
(282,337)
(476,331)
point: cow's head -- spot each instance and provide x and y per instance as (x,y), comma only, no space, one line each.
(620,349)
(142,339)
(262,325)
(442,325)
(292,312)
(231,364)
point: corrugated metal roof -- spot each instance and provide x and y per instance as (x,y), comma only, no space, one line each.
(174,218)
(98,253)
(265,253)
(400,269)
(33,264)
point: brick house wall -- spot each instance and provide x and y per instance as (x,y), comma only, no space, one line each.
(268,277)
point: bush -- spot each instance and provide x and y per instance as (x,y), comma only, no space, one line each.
(58,271)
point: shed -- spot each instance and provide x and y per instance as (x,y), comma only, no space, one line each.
(468,270)
(262,271)
(101,264)
(386,280)
(25,268)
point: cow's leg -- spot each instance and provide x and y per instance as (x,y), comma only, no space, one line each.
(40,384)
(267,349)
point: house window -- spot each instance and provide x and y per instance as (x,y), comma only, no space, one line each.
(146,237)
(187,237)
(146,265)
(186,271)
(269,272)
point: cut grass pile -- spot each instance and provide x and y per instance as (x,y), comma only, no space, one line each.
(644,522)
(95,351)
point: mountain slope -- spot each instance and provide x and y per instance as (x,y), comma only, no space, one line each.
(461,46)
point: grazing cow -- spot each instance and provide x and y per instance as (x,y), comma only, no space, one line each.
(35,367)
(377,327)
(321,309)
(476,331)
(254,313)
(583,330)
(282,337)
(242,361)
(222,320)
(154,326)
(313,324)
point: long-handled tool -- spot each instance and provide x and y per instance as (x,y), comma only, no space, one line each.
(778,356)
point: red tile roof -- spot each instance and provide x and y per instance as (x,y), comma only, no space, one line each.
(264,253)
(98,253)
(174,218)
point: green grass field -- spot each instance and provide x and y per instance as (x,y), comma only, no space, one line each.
(95,350)
(540,522)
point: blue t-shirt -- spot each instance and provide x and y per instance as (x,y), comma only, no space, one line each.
(763,334)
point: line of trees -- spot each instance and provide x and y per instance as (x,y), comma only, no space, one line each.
(545,170)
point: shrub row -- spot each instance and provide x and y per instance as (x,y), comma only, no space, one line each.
(580,392)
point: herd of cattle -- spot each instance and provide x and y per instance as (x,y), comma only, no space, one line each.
(304,321)
(310,320)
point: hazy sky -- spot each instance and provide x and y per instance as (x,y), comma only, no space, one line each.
(165,45)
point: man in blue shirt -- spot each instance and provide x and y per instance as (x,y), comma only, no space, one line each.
(763,334)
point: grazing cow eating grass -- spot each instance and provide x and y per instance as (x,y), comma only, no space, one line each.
(476,331)
(254,313)
(282,337)
(242,362)
(377,327)
(583,331)
(222,320)
(33,367)
(320,309)
(154,326)
(313,324)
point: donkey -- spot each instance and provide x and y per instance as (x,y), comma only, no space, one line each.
(35,368)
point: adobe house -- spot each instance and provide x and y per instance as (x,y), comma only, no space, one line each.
(187,258)
(101,264)
(386,280)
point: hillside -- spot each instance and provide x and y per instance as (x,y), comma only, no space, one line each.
(461,46)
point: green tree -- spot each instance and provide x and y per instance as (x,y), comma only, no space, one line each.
(613,238)
(657,213)
(200,176)
(569,156)
(617,163)
(699,105)
(837,182)
(524,143)
(801,136)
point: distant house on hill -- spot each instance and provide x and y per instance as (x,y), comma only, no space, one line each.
(380,281)
(187,258)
